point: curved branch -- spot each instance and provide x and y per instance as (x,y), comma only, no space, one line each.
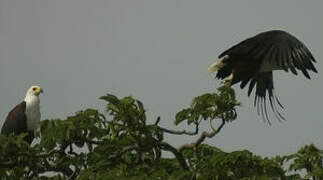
(204,135)
(191,133)
(182,131)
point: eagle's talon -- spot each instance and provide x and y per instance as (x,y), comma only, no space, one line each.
(227,83)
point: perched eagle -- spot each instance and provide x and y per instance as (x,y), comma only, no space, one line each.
(254,59)
(25,116)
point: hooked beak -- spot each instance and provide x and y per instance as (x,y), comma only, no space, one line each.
(38,91)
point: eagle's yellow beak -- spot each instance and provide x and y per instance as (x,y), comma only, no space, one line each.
(215,66)
(38,91)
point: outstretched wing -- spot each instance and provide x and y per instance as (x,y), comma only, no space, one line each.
(271,50)
(277,49)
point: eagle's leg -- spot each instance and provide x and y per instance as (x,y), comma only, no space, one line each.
(228,81)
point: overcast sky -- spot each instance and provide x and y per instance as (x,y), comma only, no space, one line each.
(159,52)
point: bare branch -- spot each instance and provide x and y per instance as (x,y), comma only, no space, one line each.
(157,121)
(71,151)
(72,176)
(211,125)
(191,133)
(204,135)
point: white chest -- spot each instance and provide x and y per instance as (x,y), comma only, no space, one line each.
(33,114)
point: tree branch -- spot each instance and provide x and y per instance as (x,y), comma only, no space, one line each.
(178,155)
(124,150)
(181,132)
(178,132)
(204,135)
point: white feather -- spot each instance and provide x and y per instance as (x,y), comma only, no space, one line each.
(32,109)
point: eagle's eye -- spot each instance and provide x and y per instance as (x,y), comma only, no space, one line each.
(34,89)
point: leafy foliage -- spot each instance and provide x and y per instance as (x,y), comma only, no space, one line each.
(121,145)
(211,106)
(213,163)
(309,158)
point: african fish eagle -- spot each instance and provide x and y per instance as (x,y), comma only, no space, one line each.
(25,117)
(254,59)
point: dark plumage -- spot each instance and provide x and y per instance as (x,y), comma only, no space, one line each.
(25,117)
(253,60)
(16,122)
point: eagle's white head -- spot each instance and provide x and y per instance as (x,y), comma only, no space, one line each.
(32,107)
(34,91)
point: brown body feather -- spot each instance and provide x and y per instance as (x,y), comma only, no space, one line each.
(16,122)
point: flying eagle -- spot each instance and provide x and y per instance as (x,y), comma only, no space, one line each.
(25,117)
(254,59)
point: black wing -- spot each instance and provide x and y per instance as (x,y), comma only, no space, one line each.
(280,49)
(264,84)
(16,122)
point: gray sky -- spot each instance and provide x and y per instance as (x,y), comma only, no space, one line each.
(157,51)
